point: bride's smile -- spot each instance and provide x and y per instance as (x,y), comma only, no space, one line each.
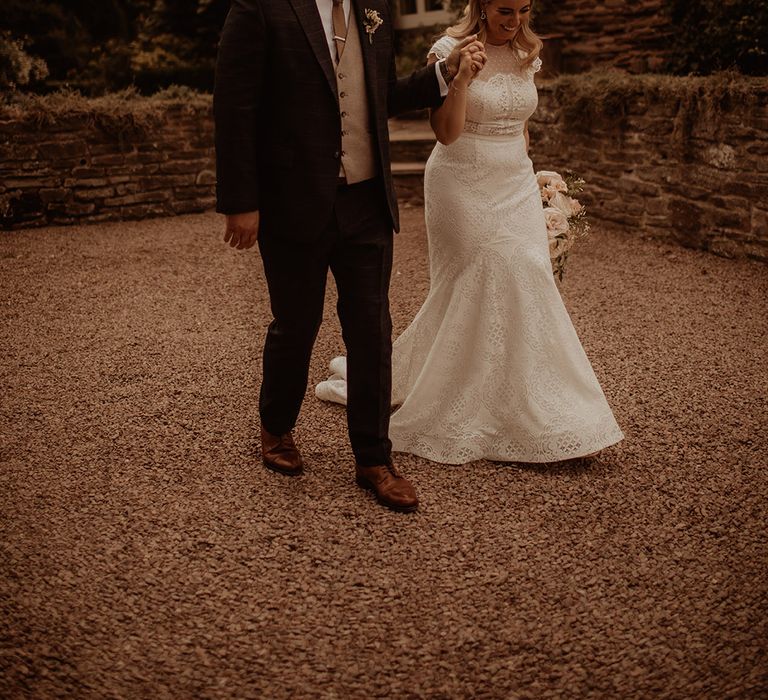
(503,19)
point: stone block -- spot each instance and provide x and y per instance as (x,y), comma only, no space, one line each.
(127,188)
(17,152)
(191,192)
(759,223)
(30,183)
(141,211)
(735,219)
(56,150)
(86,182)
(187,166)
(57,194)
(190,206)
(86,171)
(108,159)
(206,177)
(164,182)
(79,208)
(191,154)
(95,193)
(687,220)
(138,198)
(144,158)
(723,247)
(135,170)
(33,167)
(657,206)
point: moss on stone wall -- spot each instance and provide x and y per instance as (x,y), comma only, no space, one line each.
(602,95)
(116,112)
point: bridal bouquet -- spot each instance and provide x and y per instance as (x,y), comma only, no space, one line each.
(566,218)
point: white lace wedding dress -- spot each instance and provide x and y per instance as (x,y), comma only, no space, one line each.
(491,366)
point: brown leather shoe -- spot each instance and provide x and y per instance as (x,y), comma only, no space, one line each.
(392,489)
(280,453)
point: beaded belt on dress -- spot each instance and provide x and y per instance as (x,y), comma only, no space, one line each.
(497,129)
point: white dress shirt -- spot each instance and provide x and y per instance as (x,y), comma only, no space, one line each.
(325,8)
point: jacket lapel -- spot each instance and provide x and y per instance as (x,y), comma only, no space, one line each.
(309,18)
(367,48)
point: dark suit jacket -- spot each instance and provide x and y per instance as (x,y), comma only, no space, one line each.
(276,108)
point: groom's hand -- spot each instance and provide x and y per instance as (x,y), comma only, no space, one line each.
(471,49)
(242,229)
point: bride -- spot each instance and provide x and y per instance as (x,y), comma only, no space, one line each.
(491,366)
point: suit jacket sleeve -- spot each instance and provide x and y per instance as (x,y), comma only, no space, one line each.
(240,70)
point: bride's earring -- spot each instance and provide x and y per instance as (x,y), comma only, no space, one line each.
(483,16)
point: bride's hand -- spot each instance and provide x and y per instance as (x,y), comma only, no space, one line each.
(471,47)
(471,63)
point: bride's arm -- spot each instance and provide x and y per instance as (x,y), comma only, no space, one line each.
(447,121)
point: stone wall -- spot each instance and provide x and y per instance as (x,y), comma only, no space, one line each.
(659,164)
(666,168)
(630,35)
(93,167)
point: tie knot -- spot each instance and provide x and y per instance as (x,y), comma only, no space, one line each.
(337,2)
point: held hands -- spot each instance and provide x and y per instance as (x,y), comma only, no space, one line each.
(242,229)
(466,60)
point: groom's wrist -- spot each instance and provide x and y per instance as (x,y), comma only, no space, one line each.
(445,71)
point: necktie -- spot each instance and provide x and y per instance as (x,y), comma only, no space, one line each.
(339,23)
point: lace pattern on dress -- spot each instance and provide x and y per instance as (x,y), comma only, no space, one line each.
(491,366)
(511,129)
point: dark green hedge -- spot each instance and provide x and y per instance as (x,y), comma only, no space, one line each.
(714,35)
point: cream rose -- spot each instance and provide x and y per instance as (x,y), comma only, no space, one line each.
(557,231)
(544,177)
(549,177)
(557,221)
(568,205)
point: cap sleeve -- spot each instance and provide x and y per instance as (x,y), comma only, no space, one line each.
(443,46)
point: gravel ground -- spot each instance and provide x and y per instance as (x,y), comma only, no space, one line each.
(147,553)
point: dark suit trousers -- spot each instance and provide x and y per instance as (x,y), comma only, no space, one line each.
(356,245)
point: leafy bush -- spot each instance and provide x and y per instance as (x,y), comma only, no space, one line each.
(411,48)
(714,35)
(17,67)
(102,45)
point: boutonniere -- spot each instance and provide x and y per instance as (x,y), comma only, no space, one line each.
(372,22)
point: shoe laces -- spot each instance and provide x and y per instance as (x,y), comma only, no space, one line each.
(394,471)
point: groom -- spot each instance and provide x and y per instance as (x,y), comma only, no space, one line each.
(303,92)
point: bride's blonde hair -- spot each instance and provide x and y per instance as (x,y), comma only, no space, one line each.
(525,40)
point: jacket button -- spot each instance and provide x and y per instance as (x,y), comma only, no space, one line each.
(336,154)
